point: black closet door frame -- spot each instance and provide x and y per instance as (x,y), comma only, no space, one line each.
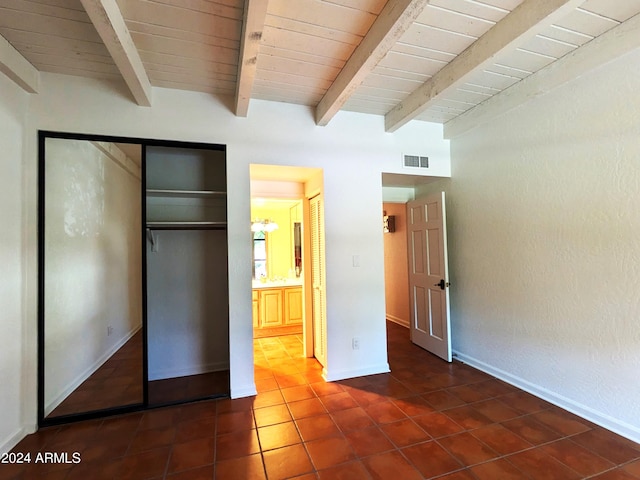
(144,143)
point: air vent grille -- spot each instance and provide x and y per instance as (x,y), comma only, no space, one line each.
(416,161)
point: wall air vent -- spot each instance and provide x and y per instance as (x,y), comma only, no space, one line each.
(415,161)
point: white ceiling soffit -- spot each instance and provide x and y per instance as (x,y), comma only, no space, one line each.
(428,60)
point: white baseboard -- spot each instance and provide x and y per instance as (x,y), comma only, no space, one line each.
(621,428)
(399,321)
(13,440)
(332,376)
(190,370)
(75,383)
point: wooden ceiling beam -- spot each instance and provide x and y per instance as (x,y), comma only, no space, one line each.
(394,20)
(524,22)
(255,12)
(18,68)
(606,48)
(108,21)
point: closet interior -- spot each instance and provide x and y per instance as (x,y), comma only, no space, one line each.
(133,283)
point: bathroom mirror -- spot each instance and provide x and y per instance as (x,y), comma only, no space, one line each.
(90,319)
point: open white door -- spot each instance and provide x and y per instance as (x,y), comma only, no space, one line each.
(429,275)
(317,279)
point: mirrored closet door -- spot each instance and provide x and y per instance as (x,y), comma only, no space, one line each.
(90,336)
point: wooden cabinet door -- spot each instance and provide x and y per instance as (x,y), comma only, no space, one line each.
(271,307)
(293,306)
(256,308)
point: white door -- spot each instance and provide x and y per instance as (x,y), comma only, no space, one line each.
(428,275)
(317,280)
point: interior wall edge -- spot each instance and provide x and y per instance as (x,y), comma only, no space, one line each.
(599,418)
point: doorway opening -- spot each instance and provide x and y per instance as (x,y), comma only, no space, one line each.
(415,260)
(287,296)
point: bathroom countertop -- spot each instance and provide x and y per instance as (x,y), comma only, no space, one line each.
(289,282)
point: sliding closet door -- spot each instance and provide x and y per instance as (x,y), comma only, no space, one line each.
(187,286)
(90,343)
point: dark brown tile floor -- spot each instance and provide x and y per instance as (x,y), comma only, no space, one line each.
(426,419)
(117,382)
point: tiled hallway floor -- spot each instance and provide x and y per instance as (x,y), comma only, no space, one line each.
(426,419)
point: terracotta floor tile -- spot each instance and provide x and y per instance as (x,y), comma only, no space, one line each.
(245,468)
(267,399)
(431,459)
(144,465)
(347,471)
(414,406)
(197,428)
(300,392)
(163,417)
(633,468)
(237,444)
(368,441)
(338,401)
(405,433)
(97,470)
(266,384)
(192,454)
(226,405)
(469,393)
(498,470)
(442,399)
(541,466)
(312,428)
(616,474)
(468,449)
(271,415)
(468,417)
(496,411)
(352,419)
(472,416)
(562,422)
(291,380)
(437,424)
(531,430)
(329,452)
(501,439)
(234,421)
(577,457)
(198,410)
(384,412)
(202,473)
(365,398)
(326,388)
(277,436)
(385,466)
(306,408)
(525,402)
(287,462)
(459,475)
(152,438)
(608,445)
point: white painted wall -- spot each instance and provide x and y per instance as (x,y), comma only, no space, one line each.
(92,262)
(13,118)
(544,244)
(353,152)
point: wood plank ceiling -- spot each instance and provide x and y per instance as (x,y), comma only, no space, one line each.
(404,59)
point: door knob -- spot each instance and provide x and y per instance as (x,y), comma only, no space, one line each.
(442,284)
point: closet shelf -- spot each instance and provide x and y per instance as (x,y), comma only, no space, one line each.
(154,192)
(186,225)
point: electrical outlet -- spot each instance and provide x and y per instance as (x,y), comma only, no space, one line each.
(109,330)
(355,343)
